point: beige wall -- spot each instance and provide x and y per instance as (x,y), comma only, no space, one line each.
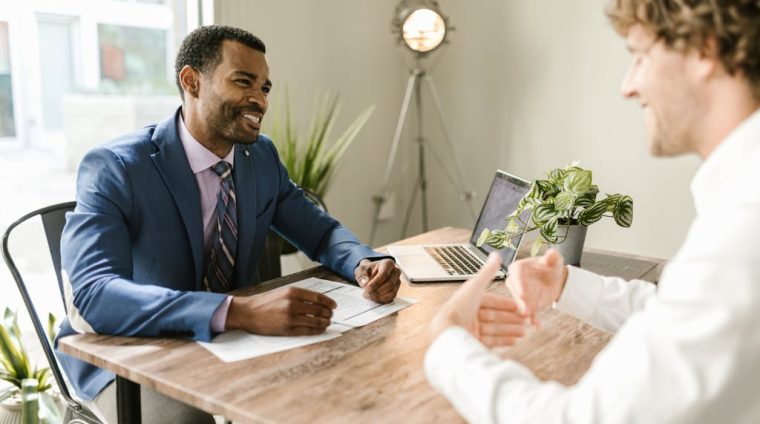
(525,86)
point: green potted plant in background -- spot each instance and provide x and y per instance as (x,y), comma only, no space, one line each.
(311,161)
(561,207)
(27,381)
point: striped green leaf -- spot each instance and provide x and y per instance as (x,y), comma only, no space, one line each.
(483,237)
(588,198)
(543,213)
(578,181)
(564,201)
(623,213)
(593,213)
(557,174)
(549,231)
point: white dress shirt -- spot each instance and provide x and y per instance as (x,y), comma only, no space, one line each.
(687,351)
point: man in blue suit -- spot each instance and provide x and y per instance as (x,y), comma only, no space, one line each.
(171,217)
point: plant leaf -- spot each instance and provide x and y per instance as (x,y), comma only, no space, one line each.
(564,201)
(497,239)
(588,198)
(544,213)
(15,361)
(483,237)
(593,213)
(546,189)
(558,175)
(578,181)
(549,231)
(623,213)
(536,246)
(10,322)
(51,328)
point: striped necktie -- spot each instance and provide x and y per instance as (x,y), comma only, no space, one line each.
(220,271)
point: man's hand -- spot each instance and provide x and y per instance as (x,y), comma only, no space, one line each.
(491,318)
(287,311)
(380,279)
(536,283)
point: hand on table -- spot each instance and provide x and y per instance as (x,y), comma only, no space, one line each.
(535,283)
(493,319)
(380,279)
(287,311)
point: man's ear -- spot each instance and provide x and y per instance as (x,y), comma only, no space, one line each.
(190,79)
(708,58)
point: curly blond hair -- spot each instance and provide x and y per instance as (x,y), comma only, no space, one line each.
(685,24)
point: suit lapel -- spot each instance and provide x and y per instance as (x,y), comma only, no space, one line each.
(171,162)
(244,175)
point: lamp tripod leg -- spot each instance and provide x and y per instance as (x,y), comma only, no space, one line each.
(410,206)
(380,199)
(460,182)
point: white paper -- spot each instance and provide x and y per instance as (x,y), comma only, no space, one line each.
(238,345)
(352,311)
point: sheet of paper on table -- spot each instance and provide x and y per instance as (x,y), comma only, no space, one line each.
(353,311)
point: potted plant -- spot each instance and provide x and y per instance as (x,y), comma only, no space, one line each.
(561,207)
(25,379)
(311,160)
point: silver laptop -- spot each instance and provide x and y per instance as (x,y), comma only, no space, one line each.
(458,262)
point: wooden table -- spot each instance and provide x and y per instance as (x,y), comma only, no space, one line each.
(371,374)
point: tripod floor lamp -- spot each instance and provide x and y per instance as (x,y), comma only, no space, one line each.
(422,28)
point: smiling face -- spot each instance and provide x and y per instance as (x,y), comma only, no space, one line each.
(659,78)
(231,100)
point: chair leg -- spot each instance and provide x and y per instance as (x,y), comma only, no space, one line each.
(128,401)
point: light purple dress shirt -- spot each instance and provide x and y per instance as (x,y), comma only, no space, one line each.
(201,160)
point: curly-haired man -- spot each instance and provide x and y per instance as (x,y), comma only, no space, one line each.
(689,350)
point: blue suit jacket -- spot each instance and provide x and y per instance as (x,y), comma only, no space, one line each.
(133,248)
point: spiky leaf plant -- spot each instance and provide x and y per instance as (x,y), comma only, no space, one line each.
(311,160)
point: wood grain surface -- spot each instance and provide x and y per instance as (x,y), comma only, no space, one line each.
(371,374)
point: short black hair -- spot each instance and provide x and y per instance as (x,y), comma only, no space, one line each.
(202,48)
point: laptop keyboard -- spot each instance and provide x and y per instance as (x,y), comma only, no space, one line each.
(456,260)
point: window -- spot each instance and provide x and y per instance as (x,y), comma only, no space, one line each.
(7,118)
(56,63)
(133,60)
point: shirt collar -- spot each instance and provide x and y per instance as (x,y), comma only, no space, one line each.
(198,155)
(724,173)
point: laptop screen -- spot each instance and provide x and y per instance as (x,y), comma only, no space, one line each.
(503,198)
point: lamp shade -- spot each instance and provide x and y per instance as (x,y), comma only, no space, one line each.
(420,25)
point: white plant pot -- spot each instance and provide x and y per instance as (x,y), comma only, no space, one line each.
(10,410)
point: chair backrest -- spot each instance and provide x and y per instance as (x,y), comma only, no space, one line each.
(269,263)
(53,219)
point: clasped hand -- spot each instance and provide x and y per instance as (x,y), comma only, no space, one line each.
(499,320)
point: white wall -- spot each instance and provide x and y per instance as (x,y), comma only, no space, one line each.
(526,86)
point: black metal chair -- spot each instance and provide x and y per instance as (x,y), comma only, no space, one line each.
(53,218)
